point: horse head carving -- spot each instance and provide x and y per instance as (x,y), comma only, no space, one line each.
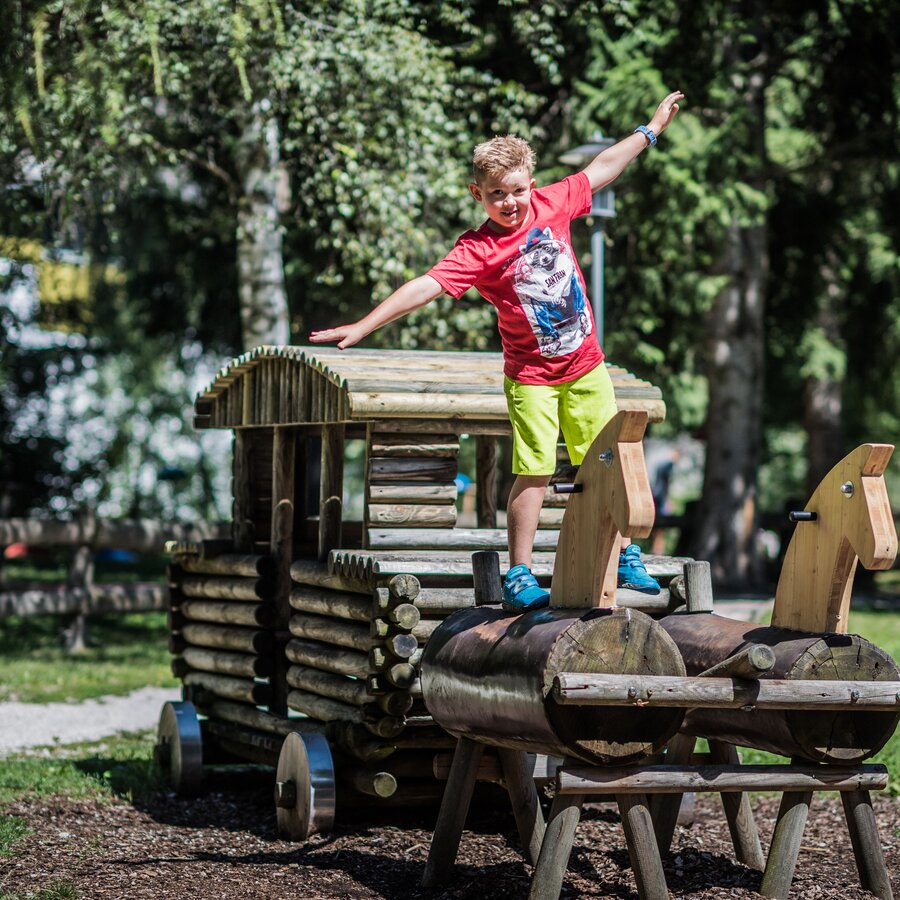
(614,500)
(853,523)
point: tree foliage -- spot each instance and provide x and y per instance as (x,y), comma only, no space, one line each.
(781,133)
(135,132)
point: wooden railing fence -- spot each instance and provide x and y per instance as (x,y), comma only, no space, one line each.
(79,595)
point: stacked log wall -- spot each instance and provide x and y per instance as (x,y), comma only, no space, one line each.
(351,660)
(356,644)
(221,618)
(411,481)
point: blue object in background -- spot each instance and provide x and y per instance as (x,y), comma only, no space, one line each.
(462,482)
(120,557)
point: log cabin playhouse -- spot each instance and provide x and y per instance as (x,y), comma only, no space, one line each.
(308,621)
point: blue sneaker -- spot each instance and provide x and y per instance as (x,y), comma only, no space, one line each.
(633,573)
(521,591)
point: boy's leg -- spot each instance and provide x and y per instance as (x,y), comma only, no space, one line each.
(523,511)
(533,414)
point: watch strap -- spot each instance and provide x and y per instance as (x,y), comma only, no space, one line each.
(647,133)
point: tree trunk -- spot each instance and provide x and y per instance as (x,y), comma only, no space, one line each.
(264,310)
(823,392)
(728,510)
(735,367)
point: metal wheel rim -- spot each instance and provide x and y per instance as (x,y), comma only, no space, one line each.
(180,746)
(306,761)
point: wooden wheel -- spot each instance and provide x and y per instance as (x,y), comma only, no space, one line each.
(304,789)
(179,747)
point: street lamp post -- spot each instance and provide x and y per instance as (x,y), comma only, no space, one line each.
(603,207)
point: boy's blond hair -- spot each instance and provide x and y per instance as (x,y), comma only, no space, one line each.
(500,155)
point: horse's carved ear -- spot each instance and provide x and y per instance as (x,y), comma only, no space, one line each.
(879,457)
(633,424)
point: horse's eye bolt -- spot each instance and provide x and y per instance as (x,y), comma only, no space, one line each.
(607,457)
(847,489)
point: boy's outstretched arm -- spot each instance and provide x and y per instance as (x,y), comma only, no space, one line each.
(609,165)
(408,297)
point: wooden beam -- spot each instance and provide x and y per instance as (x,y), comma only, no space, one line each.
(716,779)
(724,693)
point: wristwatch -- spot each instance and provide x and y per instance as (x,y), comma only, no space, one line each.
(647,133)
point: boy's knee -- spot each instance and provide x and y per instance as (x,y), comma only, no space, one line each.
(526,481)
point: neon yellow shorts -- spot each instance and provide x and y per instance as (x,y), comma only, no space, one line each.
(581,408)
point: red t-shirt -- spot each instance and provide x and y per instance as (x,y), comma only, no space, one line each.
(532,277)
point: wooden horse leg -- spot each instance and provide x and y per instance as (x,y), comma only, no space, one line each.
(792,816)
(524,799)
(556,848)
(738,814)
(642,847)
(453,812)
(664,807)
(873,873)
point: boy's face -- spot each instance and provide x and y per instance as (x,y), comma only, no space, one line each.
(506,199)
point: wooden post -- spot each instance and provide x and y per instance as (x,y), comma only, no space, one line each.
(556,848)
(642,849)
(242,525)
(524,799)
(698,586)
(331,488)
(80,578)
(486,454)
(785,846)
(751,662)
(283,485)
(486,575)
(873,873)
(454,808)
(738,814)
(664,807)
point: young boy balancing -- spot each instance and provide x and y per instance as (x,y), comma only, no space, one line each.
(521,261)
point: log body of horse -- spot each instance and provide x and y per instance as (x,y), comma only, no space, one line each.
(844,736)
(853,522)
(487,675)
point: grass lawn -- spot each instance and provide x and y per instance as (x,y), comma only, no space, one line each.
(127,652)
(120,766)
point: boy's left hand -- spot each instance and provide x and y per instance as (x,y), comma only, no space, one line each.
(665,112)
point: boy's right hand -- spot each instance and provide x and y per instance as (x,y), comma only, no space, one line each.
(345,335)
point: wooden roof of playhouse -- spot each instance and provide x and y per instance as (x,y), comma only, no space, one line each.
(296,385)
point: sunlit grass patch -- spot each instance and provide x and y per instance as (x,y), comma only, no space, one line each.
(55,890)
(120,766)
(126,652)
(12,830)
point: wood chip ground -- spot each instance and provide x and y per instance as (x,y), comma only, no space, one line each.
(223,844)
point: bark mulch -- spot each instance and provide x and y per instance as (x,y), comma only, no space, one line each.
(223,844)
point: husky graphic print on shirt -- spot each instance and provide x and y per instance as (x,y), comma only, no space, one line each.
(547,285)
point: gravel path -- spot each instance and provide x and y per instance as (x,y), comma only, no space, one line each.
(25,725)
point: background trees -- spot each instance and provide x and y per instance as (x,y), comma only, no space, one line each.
(252,170)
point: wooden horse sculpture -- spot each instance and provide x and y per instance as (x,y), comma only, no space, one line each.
(612,498)
(848,519)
